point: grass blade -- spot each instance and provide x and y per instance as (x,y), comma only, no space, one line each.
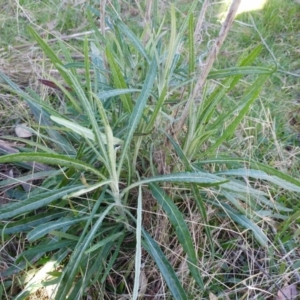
(119,81)
(164,266)
(33,203)
(52,159)
(204,179)
(243,70)
(68,276)
(250,97)
(137,113)
(138,248)
(257,174)
(45,228)
(181,228)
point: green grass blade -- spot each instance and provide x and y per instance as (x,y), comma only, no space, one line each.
(157,109)
(88,83)
(68,276)
(49,52)
(232,161)
(46,228)
(103,96)
(119,80)
(90,110)
(191,47)
(26,224)
(204,179)
(257,174)
(44,248)
(248,100)
(164,266)
(134,39)
(243,70)
(33,203)
(103,242)
(246,223)
(181,228)
(51,159)
(137,113)
(138,248)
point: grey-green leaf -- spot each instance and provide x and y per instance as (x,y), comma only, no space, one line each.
(182,231)
(164,266)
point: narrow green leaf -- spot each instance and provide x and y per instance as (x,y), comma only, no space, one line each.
(246,223)
(49,52)
(119,81)
(254,164)
(28,223)
(49,158)
(205,179)
(33,203)
(181,228)
(46,248)
(245,70)
(137,113)
(133,38)
(138,248)
(103,242)
(68,276)
(46,228)
(164,266)
(191,48)
(248,100)
(87,68)
(41,115)
(257,174)
(117,92)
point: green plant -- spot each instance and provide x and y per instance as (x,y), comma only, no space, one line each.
(88,211)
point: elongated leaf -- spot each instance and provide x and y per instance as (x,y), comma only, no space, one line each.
(49,52)
(85,132)
(90,111)
(119,81)
(241,187)
(46,228)
(137,113)
(46,248)
(257,174)
(133,38)
(28,223)
(71,270)
(250,97)
(88,189)
(191,49)
(254,164)
(32,176)
(205,179)
(182,231)
(164,266)
(33,203)
(138,248)
(112,93)
(195,190)
(49,158)
(246,223)
(246,70)
(103,242)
